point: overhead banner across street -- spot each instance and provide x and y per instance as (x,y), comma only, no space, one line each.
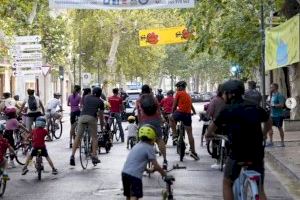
(120,4)
(283,44)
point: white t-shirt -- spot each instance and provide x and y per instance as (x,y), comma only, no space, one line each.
(132,130)
(10,102)
(37,104)
(53,105)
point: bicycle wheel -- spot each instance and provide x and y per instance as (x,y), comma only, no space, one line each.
(117,132)
(165,134)
(250,190)
(209,147)
(2,186)
(84,151)
(21,153)
(39,167)
(58,130)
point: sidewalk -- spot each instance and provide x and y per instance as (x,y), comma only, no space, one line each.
(286,158)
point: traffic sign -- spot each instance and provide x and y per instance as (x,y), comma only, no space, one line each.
(27,65)
(291,103)
(28,39)
(45,70)
(27,56)
(27,47)
(86,78)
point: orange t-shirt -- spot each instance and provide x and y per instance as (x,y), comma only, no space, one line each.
(184,102)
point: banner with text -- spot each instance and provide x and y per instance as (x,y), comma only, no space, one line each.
(120,4)
(283,44)
(173,35)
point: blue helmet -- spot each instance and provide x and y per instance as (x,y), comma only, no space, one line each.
(2,127)
(40,122)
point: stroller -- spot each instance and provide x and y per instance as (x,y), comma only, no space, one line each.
(104,140)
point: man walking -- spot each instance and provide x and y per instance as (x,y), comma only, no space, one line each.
(277,101)
(252,94)
(116,108)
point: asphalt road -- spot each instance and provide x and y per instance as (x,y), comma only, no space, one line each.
(197,181)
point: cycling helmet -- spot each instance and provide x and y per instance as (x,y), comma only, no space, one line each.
(131,118)
(181,84)
(10,111)
(147,131)
(97,91)
(235,87)
(40,122)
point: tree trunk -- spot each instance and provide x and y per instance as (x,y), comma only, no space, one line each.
(294,76)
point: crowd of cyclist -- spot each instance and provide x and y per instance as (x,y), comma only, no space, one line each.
(228,113)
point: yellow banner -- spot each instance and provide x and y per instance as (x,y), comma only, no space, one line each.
(283,44)
(151,37)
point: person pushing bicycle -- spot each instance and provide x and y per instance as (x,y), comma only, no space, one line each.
(182,108)
(242,120)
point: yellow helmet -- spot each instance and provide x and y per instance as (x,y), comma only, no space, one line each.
(131,118)
(147,131)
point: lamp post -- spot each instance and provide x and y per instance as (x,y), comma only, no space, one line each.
(262,64)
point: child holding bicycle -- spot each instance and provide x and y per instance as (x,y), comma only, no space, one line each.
(38,143)
(4,145)
(136,163)
(131,130)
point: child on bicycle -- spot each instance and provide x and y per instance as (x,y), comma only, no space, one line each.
(131,130)
(12,125)
(136,163)
(4,145)
(206,120)
(38,143)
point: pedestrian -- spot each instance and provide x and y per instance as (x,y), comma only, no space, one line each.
(116,109)
(74,102)
(34,110)
(277,101)
(216,104)
(149,113)
(252,94)
(206,121)
(136,163)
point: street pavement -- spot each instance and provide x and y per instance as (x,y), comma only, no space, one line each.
(198,181)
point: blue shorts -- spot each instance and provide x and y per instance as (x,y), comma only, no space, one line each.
(277,121)
(186,118)
(132,186)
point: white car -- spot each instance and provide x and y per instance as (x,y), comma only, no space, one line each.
(133,95)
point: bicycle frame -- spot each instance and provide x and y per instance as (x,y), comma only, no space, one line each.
(180,142)
(247,178)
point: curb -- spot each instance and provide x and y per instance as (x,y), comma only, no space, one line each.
(281,166)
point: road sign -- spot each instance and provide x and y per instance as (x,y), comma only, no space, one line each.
(27,47)
(28,39)
(45,70)
(27,65)
(291,103)
(86,78)
(28,56)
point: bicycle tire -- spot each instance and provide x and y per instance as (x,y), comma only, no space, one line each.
(117,132)
(182,149)
(2,187)
(250,186)
(209,146)
(58,133)
(22,152)
(165,134)
(84,151)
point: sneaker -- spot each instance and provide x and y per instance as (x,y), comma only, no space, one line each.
(270,144)
(71,145)
(24,170)
(5,177)
(54,171)
(95,160)
(215,166)
(12,164)
(165,165)
(72,161)
(194,155)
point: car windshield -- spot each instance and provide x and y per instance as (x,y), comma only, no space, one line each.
(133,96)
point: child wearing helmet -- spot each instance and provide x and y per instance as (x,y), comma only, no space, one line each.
(38,143)
(12,125)
(4,145)
(131,130)
(136,163)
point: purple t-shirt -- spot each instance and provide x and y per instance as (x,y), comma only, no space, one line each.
(74,102)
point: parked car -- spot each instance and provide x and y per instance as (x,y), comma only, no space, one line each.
(133,95)
(196,97)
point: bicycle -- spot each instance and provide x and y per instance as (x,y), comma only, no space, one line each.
(85,148)
(3,182)
(132,141)
(167,194)
(165,130)
(53,127)
(221,145)
(248,184)
(181,146)
(22,150)
(113,128)
(39,164)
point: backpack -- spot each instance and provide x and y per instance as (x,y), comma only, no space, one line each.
(32,103)
(148,104)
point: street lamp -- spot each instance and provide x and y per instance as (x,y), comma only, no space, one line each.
(262,64)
